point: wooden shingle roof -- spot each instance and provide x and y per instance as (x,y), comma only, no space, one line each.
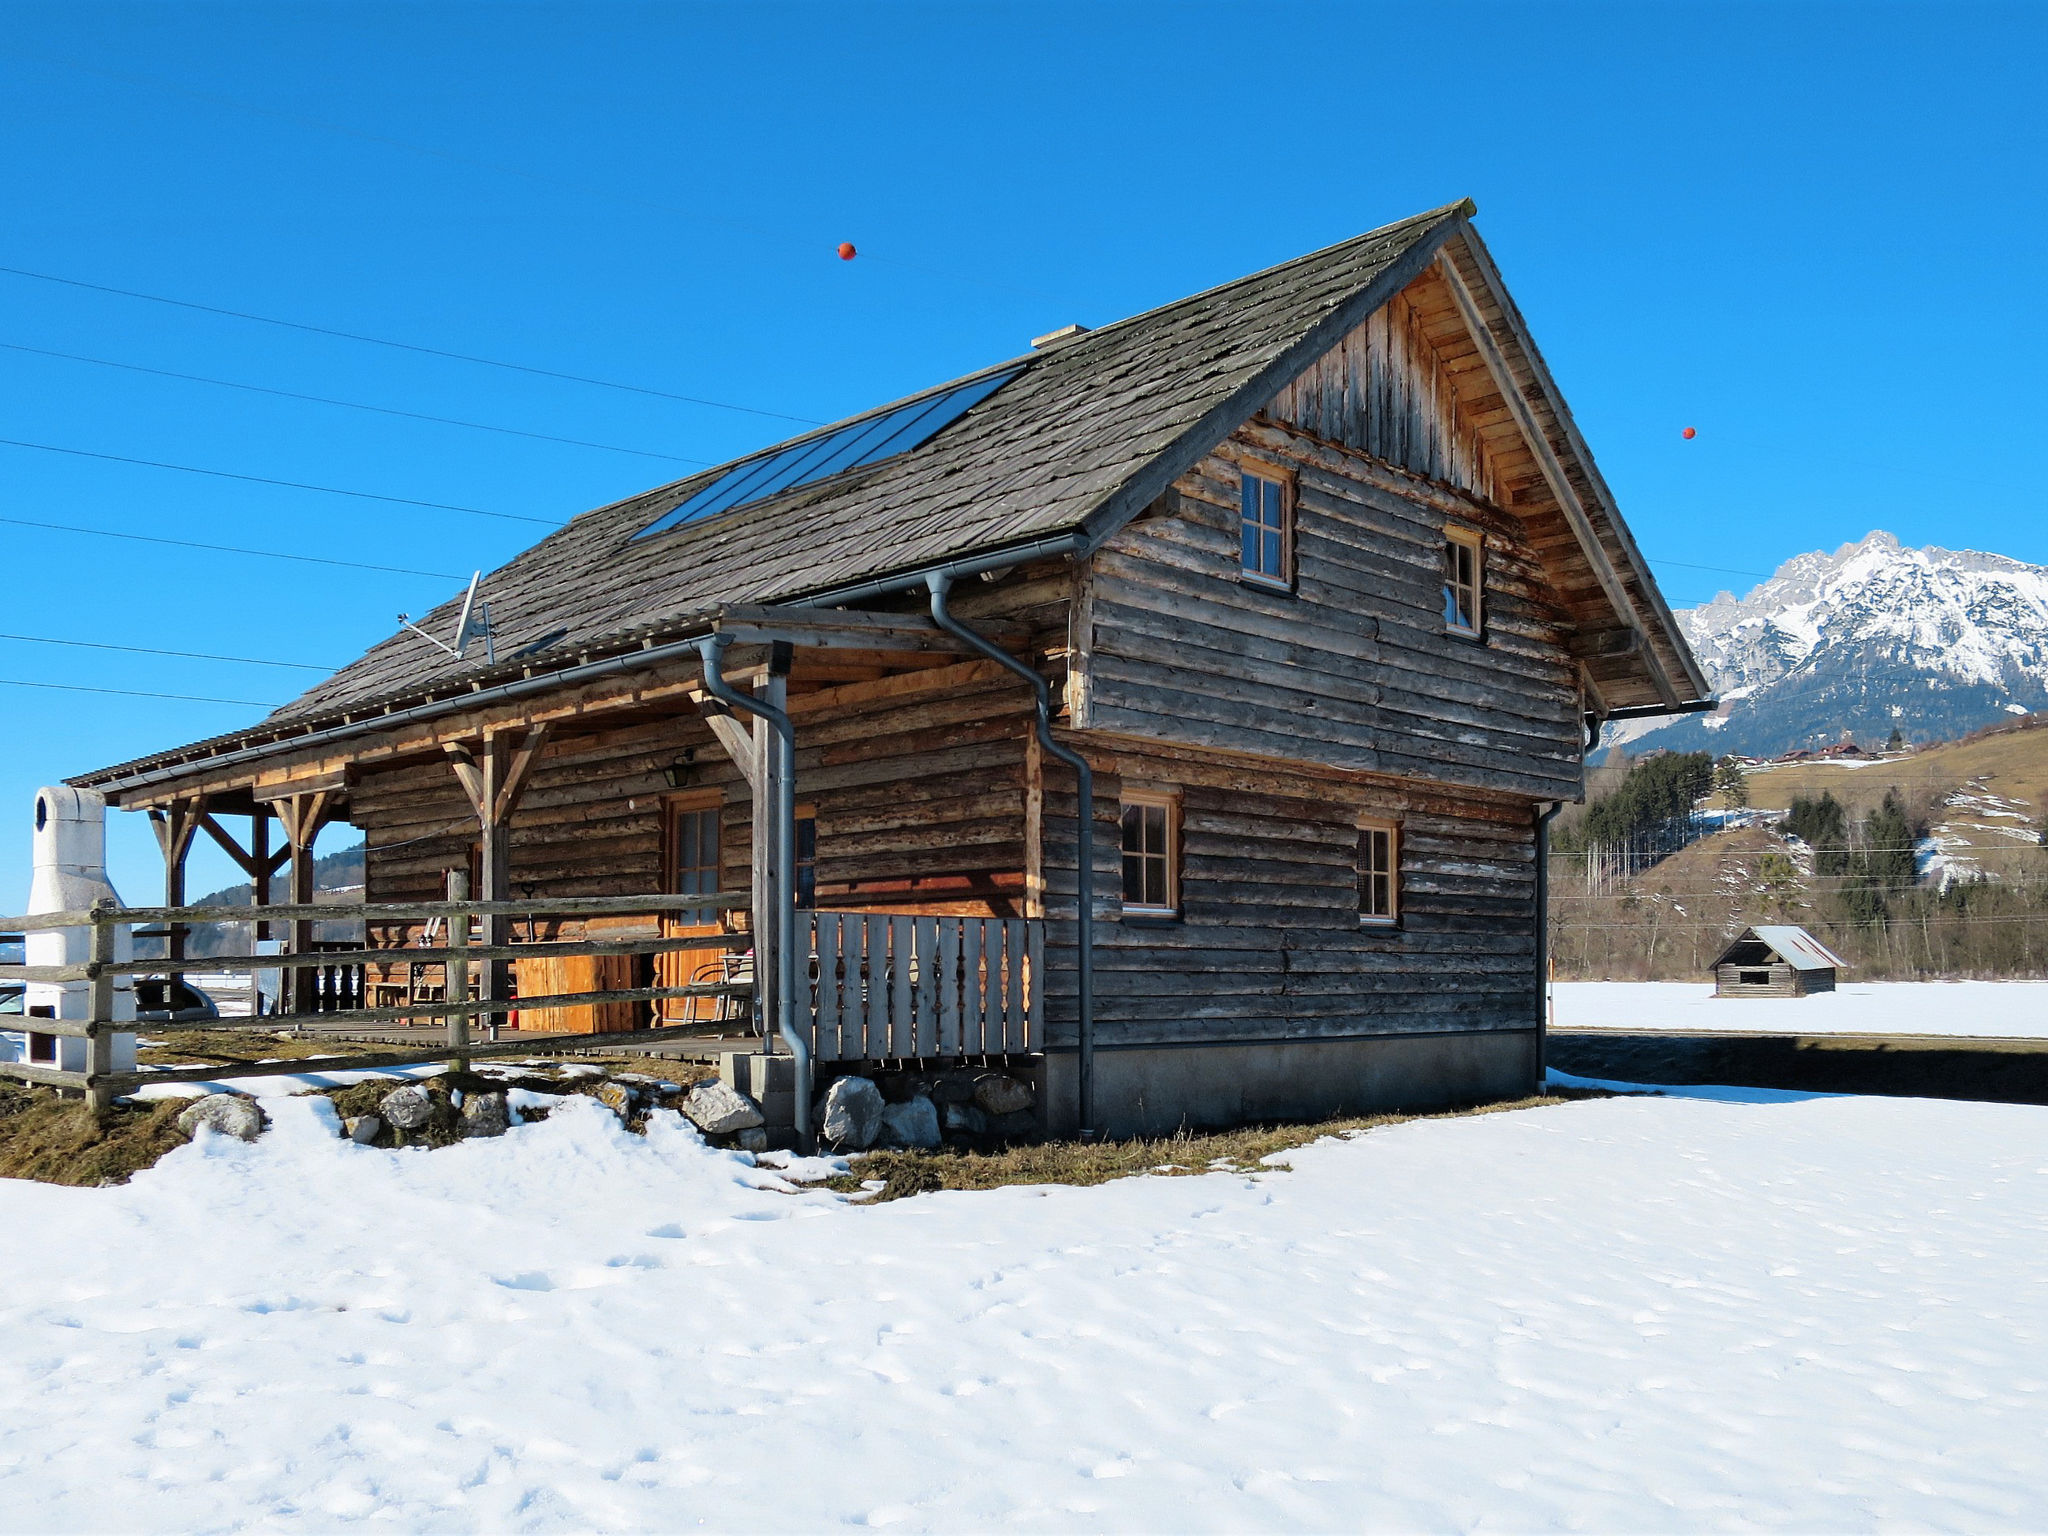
(1091,429)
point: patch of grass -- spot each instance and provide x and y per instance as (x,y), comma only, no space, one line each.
(1184,1153)
(60,1141)
(227,1047)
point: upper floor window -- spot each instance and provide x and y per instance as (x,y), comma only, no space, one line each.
(1379,872)
(1266,526)
(1464,580)
(1151,837)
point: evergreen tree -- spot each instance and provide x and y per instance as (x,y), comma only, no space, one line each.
(1823,826)
(1888,842)
(1896,742)
(1732,782)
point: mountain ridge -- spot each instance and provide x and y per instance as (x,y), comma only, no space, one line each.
(1855,643)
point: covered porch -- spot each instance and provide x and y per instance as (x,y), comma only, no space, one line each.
(855,798)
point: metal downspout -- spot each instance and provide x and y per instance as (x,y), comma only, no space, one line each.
(940,582)
(712,648)
(1543,942)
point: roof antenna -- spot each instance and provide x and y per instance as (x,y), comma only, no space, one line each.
(475,623)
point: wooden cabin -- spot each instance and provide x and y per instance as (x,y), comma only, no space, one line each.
(1775,961)
(1316,579)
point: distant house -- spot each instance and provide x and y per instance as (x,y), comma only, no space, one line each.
(1775,961)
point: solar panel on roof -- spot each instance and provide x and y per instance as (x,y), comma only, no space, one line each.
(855,445)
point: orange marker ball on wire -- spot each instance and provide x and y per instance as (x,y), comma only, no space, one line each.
(1688,434)
(846,250)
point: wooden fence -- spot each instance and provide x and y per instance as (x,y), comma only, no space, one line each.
(888,985)
(101,1083)
(882,985)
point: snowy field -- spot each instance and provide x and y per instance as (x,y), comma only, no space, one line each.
(1725,1310)
(2014,1009)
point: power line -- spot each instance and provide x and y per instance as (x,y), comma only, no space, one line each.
(132,693)
(353,405)
(294,485)
(402,346)
(143,650)
(1932,920)
(694,212)
(229,549)
(1725,570)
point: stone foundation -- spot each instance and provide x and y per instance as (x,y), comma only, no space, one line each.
(1155,1090)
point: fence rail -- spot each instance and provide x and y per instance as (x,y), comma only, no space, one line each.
(882,985)
(101,1083)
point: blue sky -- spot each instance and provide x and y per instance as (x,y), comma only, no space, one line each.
(1813,232)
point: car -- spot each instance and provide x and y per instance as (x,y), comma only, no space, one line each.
(160,1000)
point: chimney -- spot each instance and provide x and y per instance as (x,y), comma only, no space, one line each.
(70,874)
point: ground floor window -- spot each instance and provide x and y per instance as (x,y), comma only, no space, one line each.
(806,857)
(1151,840)
(1379,872)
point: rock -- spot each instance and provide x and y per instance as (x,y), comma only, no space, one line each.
(753,1139)
(616,1097)
(228,1114)
(406,1109)
(852,1114)
(953,1087)
(485,1114)
(913,1123)
(999,1095)
(964,1117)
(1018,1125)
(363,1130)
(717,1109)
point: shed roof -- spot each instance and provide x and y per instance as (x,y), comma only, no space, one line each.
(1091,428)
(1795,946)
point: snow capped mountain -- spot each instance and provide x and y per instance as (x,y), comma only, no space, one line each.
(1932,642)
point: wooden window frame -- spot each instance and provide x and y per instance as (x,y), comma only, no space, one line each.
(1391,918)
(1269,474)
(689,802)
(1470,539)
(806,867)
(1169,802)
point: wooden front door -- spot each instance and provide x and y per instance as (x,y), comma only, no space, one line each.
(690,865)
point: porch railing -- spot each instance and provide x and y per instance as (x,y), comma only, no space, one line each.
(101,1083)
(883,986)
(891,986)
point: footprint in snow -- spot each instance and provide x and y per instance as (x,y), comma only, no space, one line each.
(531,1280)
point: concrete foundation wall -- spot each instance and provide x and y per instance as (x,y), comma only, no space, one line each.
(1153,1090)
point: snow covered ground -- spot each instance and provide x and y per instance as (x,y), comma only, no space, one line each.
(1724,1310)
(2014,1009)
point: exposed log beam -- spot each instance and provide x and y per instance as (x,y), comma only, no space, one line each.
(735,739)
(244,860)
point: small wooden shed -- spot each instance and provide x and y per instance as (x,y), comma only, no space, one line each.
(1775,961)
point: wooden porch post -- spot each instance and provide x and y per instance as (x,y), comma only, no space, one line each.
(303,816)
(494,780)
(772,690)
(259,864)
(174,826)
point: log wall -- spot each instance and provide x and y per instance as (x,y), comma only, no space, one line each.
(1268,943)
(917,783)
(1354,667)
